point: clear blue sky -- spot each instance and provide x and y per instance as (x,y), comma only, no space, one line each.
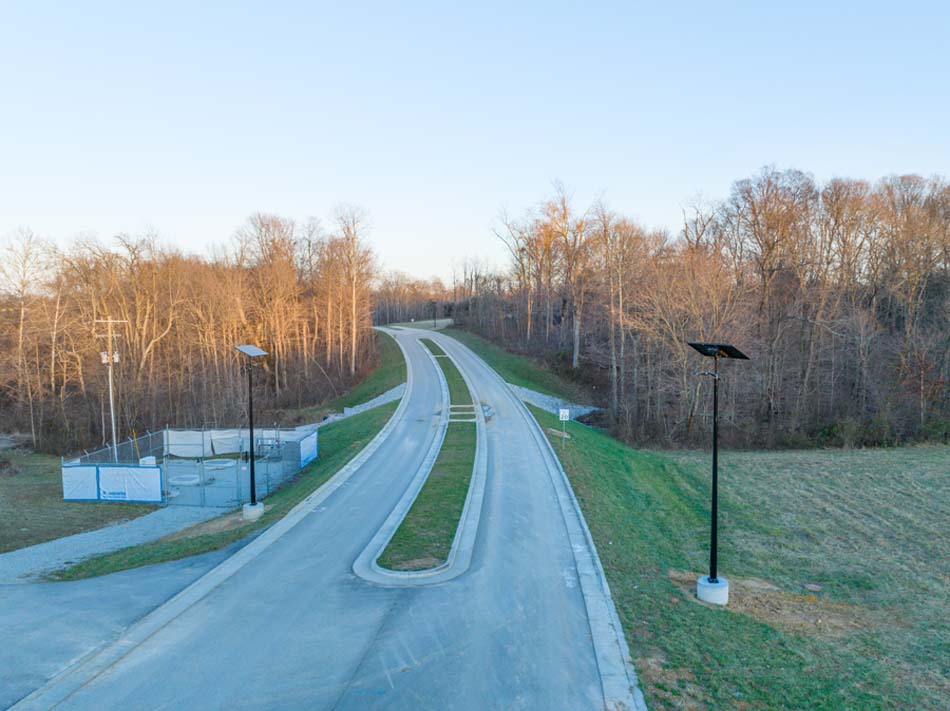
(187,117)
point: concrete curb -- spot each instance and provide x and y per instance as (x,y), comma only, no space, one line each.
(459,558)
(618,677)
(99,660)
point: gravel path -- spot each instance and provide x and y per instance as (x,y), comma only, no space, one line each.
(25,564)
(550,403)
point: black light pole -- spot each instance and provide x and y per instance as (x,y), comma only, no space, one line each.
(250,424)
(252,353)
(714,533)
(711,588)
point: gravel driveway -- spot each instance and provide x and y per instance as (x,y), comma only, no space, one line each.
(26,564)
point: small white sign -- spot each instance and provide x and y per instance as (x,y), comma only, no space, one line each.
(565,414)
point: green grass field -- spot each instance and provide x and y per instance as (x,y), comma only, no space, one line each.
(424,538)
(865,531)
(520,370)
(339,442)
(32,509)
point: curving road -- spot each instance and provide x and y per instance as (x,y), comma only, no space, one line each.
(524,627)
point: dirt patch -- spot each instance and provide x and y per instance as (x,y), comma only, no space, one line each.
(214,525)
(801,614)
(417,563)
(677,687)
(6,468)
(558,433)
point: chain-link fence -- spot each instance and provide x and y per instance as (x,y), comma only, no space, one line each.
(207,467)
(131,451)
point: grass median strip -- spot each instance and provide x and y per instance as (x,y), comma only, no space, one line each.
(339,443)
(458,390)
(425,536)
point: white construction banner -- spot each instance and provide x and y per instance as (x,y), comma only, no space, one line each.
(118,483)
(79,484)
(308,449)
(193,444)
(226,441)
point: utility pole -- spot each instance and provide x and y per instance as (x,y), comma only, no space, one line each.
(109,357)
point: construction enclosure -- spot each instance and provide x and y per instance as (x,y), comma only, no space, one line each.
(190,467)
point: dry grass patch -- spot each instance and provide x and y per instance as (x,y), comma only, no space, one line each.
(800,614)
(228,522)
(676,686)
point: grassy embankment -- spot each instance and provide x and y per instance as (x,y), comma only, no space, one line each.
(389,372)
(837,560)
(425,536)
(32,509)
(520,370)
(339,443)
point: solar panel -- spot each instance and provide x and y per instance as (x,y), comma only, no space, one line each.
(251,351)
(719,350)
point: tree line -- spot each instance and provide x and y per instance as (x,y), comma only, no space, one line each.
(299,291)
(839,293)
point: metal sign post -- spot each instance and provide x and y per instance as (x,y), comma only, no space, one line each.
(564,415)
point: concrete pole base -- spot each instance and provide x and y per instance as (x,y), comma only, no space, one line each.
(252,512)
(716,593)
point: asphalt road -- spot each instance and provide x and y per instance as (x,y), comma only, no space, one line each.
(296,629)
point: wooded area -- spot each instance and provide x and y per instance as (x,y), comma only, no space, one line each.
(300,293)
(839,293)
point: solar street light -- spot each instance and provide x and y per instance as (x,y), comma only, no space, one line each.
(712,588)
(252,511)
